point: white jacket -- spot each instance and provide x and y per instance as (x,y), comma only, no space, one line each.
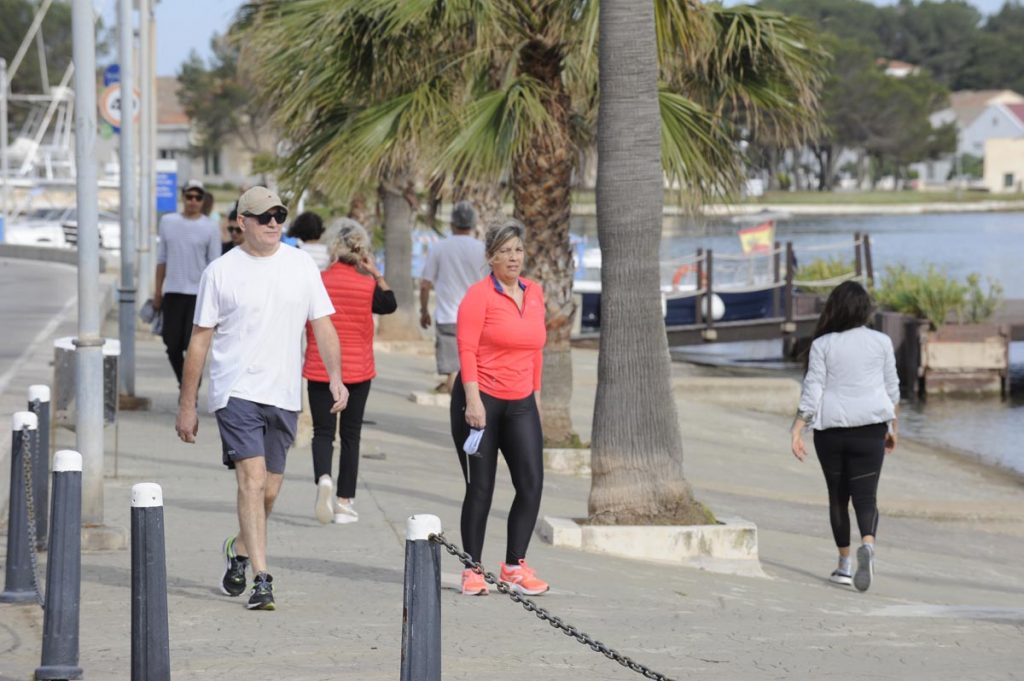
(851,380)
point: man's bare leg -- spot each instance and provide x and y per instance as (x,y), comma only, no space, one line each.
(271,489)
(252,478)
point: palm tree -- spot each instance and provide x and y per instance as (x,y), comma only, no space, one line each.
(482,91)
(637,445)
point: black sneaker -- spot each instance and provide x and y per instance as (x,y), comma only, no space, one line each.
(262,597)
(233,583)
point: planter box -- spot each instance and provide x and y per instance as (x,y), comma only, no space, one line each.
(965,358)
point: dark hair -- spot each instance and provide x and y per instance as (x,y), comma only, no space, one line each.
(207,204)
(233,215)
(848,307)
(309,227)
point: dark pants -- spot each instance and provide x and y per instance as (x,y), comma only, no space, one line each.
(851,459)
(513,426)
(178,309)
(348,424)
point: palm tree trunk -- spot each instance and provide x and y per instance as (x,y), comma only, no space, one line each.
(637,452)
(398,217)
(541,180)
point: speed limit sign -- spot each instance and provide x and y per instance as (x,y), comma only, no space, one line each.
(110,104)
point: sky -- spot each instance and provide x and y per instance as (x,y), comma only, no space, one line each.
(184,25)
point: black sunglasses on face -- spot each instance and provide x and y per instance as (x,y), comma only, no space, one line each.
(264,218)
(234,230)
(193,197)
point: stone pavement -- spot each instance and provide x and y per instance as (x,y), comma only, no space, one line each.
(948,602)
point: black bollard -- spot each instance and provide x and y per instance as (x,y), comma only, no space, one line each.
(63,571)
(151,657)
(39,404)
(421,615)
(20,584)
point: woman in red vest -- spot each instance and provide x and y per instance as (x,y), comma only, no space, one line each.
(495,405)
(358,292)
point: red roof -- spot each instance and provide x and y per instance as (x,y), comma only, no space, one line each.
(1017,110)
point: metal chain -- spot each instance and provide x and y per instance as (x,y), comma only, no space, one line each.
(30,508)
(544,615)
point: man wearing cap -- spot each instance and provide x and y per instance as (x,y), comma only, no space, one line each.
(453,265)
(189,241)
(252,308)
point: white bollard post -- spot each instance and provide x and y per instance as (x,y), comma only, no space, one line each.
(421,621)
(151,657)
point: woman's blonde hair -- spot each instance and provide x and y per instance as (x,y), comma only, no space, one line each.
(500,232)
(350,244)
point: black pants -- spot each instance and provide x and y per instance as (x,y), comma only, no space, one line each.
(348,424)
(513,426)
(851,459)
(178,311)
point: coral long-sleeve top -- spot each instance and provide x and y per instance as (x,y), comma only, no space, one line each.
(500,346)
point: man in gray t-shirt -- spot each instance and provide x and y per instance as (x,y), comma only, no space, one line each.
(189,241)
(453,265)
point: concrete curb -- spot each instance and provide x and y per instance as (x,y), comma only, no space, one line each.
(567,462)
(67,256)
(414,347)
(728,548)
(771,395)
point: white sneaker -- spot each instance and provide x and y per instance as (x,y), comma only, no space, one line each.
(344,513)
(865,567)
(840,577)
(324,506)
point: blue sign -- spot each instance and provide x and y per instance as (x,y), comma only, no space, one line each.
(111,75)
(166,192)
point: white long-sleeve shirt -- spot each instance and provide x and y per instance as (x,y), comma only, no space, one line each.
(851,380)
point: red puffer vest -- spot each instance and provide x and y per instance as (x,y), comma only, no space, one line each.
(352,296)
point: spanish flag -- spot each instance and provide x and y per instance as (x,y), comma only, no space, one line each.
(759,238)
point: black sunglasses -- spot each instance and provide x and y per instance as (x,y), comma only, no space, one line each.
(234,230)
(264,218)
(194,197)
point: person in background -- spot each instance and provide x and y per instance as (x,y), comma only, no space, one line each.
(358,291)
(452,266)
(495,406)
(850,397)
(235,235)
(189,241)
(308,228)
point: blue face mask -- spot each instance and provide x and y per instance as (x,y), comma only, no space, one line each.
(472,445)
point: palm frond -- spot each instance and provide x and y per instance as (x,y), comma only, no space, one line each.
(697,153)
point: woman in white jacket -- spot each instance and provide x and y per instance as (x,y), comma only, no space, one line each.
(850,398)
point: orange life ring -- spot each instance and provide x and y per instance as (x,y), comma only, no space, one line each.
(682,271)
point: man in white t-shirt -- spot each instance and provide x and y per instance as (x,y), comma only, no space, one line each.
(453,265)
(189,241)
(252,307)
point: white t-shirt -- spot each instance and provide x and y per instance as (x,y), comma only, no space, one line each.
(453,265)
(259,308)
(186,247)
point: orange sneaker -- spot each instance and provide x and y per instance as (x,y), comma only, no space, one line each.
(522,579)
(473,583)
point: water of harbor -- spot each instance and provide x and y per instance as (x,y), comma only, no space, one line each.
(991,244)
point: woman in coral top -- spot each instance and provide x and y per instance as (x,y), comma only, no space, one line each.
(501,336)
(358,291)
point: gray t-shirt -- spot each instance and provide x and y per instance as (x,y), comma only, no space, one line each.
(186,247)
(453,265)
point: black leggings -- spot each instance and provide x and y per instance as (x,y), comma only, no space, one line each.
(177,309)
(513,426)
(851,459)
(348,423)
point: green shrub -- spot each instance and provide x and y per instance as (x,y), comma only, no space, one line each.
(980,305)
(821,269)
(936,296)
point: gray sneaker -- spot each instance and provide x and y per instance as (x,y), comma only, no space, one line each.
(262,597)
(840,577)
(865,567)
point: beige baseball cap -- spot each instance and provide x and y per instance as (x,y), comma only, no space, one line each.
(258,200)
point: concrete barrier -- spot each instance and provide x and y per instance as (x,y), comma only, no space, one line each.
(767,394)
(68,256)
(729,547)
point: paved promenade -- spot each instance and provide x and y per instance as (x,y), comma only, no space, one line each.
(948,601)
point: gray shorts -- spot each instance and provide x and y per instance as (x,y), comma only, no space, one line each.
(447,349)
(250,429)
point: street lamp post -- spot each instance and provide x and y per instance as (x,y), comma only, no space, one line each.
(126,298)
